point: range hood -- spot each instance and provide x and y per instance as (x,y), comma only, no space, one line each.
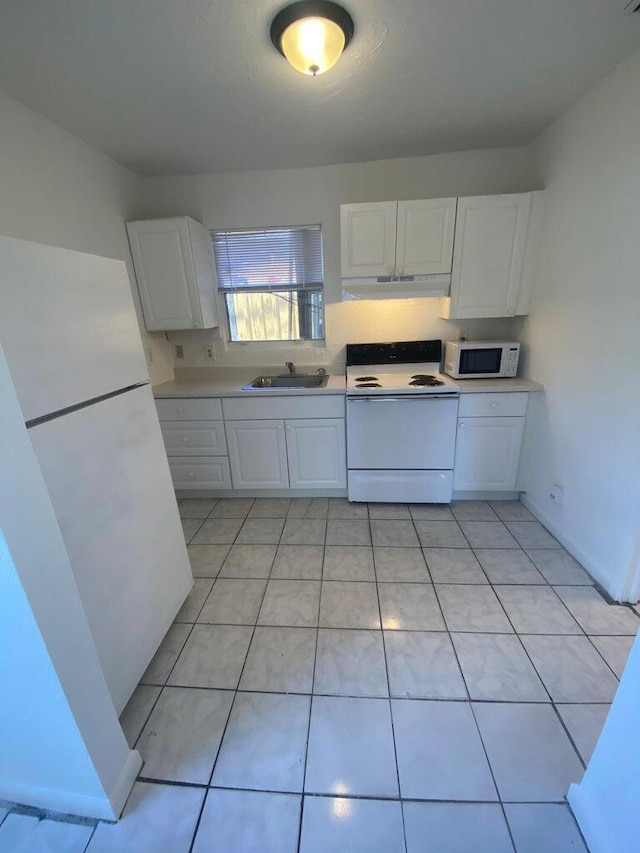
(396,287)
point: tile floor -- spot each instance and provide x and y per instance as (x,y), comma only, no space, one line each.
(357,678)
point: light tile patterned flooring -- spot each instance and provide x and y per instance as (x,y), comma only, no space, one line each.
(351,678)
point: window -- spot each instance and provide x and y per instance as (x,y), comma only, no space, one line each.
(272,282)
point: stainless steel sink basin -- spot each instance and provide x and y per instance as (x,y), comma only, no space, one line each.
(277,382)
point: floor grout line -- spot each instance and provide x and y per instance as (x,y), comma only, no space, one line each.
(162,687)
(386,668)
(403,698)
(313,678)
(224,730)
(302,795)
(352,796)
(384,632)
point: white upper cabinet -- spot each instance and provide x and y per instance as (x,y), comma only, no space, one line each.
(174,271)
(402,238)
(368,239)
(424,239)
(487,278)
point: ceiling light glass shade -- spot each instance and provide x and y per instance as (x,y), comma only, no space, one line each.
(312,34)
(313,45)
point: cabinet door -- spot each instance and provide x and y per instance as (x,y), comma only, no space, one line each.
(488,253)
(424,243)
(368,239)
(163,261)
(206,278)
(317,454)
(487,454)
(257,454)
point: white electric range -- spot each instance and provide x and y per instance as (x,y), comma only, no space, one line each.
(401,423)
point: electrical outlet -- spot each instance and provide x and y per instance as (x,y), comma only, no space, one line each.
(462,335)
(179,351)
(149,354)
(556,495)
(209,352)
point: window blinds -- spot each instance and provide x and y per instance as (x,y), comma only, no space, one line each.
(269,259)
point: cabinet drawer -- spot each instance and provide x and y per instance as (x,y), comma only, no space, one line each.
(189,409)
(505,404)
(196,472)
(305,406)
(194,438)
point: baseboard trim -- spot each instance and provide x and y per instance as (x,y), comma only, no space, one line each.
(484,496)
(261,493)
(69,803)
(583,812)
(567,542)
(121,790)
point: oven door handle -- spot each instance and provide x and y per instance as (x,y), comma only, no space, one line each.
(407,398)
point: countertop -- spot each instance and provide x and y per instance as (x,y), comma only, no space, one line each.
(475,386)
(228,382)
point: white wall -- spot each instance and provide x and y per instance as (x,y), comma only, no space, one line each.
(583,332)
(605,802)
(59,191)
(61,746)
(302,196)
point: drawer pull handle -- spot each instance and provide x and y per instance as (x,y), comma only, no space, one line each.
(493,405)
(461,426)
(192,473)
(186,439)
(180,410)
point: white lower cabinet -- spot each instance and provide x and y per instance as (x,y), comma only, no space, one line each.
(282,442)
(488,443)
(256,444)
(200,472)
(296,454)
(487,454)
(194,439)
(257,454)
(316,452)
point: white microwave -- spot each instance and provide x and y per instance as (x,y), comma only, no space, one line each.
(481,359)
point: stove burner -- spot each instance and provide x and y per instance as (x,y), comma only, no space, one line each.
(425,380)
(367,379)
(368,385)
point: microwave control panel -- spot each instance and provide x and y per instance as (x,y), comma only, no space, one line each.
(511,361)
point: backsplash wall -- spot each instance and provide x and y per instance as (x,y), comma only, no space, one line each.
(346,322)
(314,195)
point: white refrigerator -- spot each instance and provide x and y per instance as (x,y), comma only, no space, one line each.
(69,331)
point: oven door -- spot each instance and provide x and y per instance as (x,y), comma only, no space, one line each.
(407,432)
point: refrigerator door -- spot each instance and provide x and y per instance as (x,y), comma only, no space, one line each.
(106,470)
(68,326)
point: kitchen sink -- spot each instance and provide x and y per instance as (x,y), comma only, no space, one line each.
(300,380)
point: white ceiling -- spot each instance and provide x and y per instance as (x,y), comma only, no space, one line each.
(188,86)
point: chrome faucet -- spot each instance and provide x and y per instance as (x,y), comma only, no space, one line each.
(292,368)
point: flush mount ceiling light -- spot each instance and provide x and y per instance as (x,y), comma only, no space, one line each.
(312,34)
